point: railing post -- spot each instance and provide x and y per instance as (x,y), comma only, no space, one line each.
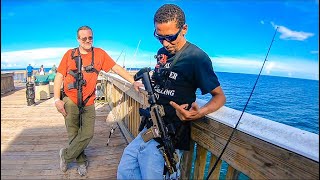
(260,149)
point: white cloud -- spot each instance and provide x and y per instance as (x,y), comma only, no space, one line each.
(237,62)
(269,67)
(295,65)
(262,22)
(276,66)
(279,66)
(289,34)
(50,56)
(314,52)
(35,57)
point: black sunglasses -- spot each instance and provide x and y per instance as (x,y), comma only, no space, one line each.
(85,38)
(168,38)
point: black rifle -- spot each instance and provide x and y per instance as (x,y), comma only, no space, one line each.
(158,129)
(78,85)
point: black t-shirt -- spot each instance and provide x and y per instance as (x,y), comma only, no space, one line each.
(192,70)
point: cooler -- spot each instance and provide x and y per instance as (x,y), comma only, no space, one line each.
(42,90)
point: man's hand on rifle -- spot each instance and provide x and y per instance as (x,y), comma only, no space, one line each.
(60,107)
(187,115)
(137,85)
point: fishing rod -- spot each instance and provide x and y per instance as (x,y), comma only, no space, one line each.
(135,53)
(119,55)
(124,59)
(234,129)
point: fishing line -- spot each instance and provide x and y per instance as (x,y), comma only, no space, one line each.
(119,55)
(234,129)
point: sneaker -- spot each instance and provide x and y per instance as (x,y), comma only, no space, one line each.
(63,163)
(82,169)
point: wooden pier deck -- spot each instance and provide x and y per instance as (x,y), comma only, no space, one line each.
(31,137)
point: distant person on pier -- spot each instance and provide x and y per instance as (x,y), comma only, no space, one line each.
(41,70)
(80,130)
(29,73)
(54,69)
(175,89)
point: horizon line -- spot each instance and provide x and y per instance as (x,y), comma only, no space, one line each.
(128,68)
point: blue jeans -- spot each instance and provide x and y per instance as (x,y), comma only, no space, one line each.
(141,160)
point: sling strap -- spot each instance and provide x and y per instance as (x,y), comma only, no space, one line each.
(176,58)
(89,69)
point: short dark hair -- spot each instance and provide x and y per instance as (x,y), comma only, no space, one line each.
(83,28)
(170,12)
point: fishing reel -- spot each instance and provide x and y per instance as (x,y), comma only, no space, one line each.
(161,59)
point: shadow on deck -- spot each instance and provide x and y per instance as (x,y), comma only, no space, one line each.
(31,137)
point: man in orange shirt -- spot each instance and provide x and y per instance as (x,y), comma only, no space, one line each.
(79,119)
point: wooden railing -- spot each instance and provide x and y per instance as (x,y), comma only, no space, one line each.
(21,75)
(260,148)
(7,82)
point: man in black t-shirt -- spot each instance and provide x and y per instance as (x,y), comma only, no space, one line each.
(181,68)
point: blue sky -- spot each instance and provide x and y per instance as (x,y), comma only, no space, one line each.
(235,34)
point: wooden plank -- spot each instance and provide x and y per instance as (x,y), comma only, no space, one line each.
(30,142)
(200,162)
(186,164)
(125,132)
(128,89)
(232,173)
(216,172)
(252,156)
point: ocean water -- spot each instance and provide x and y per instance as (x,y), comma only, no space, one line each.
(19,69)
(291,101)
(19,76)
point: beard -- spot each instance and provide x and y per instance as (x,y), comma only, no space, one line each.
(87,46)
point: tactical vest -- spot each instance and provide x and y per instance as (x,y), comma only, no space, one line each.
(89,69)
